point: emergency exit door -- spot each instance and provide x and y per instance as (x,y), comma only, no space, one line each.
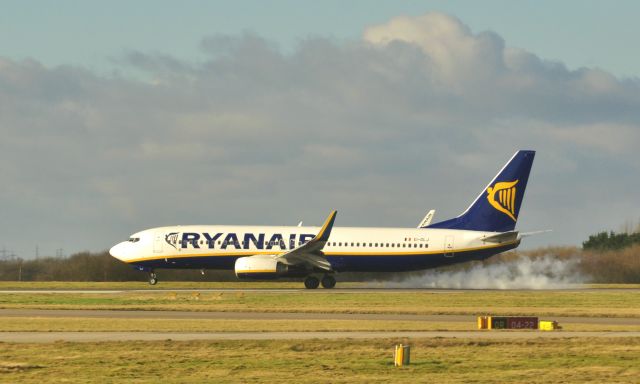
(448,246)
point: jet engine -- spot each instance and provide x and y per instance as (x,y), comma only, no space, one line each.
(265,267)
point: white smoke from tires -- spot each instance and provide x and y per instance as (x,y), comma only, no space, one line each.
(522,273)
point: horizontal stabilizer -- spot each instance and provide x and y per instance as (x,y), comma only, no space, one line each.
(502,237)
(525,234)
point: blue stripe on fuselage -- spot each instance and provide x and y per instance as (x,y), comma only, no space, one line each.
(340,263)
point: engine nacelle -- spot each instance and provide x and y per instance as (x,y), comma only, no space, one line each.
(260,267)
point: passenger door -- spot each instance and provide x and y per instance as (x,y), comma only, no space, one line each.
(158,242)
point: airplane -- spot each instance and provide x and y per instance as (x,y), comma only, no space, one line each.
(317,254)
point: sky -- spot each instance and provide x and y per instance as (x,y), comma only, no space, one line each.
(121,116)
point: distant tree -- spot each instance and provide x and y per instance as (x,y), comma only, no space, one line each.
(88,266)
(611,241)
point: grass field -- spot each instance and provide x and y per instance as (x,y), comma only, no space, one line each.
(529,360)
(52,324)
(137,285)
(340,361)
(612,303)
(22,324)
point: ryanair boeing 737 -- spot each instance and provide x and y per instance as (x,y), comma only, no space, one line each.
(316,254)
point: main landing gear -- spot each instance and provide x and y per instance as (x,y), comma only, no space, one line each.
(312,282)
(328,281)
(153,279)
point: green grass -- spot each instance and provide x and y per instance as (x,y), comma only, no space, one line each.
(613,303)
(72,324)
(45,324)
(323,361)
(572,360)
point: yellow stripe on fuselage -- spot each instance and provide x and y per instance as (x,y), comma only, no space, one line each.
(345,253)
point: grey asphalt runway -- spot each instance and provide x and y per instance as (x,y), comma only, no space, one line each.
(50,337)
(377,290)
(190,315)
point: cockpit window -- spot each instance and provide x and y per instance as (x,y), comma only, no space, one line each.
(134,239)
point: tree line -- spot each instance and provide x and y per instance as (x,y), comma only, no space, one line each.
(88,266)
(605,241)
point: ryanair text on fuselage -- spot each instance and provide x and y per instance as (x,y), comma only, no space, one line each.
(233,240)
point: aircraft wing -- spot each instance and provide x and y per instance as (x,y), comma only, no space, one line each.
(311,252)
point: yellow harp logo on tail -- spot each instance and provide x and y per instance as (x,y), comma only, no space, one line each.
(502,196)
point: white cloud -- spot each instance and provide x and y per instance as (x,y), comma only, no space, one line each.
(419,114)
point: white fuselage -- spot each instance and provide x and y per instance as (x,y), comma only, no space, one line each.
(348,248)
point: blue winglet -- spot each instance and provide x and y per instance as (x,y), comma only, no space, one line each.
(325,231)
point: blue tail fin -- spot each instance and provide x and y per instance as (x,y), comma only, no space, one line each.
(497,207)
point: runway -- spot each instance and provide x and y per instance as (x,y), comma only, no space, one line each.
(51,337)
(191,315)
(376,290)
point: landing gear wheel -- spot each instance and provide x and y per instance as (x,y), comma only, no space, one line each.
(311,282)
(153,279)
(328,282)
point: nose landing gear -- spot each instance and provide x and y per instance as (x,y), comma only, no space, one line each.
(153,279)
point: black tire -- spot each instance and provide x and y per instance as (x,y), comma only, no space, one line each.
(153,280)
(328,282)
(311,282)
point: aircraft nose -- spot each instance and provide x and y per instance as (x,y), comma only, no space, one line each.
(119,251)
